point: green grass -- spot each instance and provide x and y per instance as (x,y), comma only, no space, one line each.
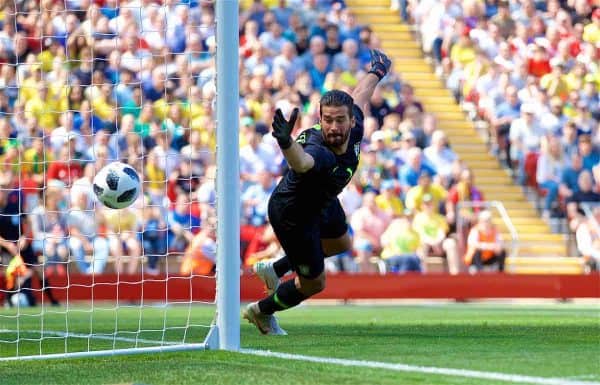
(543,341)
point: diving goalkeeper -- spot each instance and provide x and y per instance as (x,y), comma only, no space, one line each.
(304,210)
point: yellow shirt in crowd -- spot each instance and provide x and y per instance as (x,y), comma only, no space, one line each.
(121,220)
(414,196)
(591,33)
(428,226)
(393,204)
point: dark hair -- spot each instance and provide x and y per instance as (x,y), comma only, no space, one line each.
(336,98)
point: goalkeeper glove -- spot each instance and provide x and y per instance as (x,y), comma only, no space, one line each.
(282,129)
(380,64)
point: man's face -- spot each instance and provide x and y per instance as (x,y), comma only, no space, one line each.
(336,124)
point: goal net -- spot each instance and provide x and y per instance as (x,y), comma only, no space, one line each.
(150,84)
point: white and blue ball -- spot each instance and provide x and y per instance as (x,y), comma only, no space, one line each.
(117,185)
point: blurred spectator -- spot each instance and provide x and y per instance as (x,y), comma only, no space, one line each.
(264,245)
(255,156)
(388,200)
(255,199)
(369,172)
(433,231)
(351,197)
(122,229)
(407,99)
(549,171)
(503,19)
(589,155)
(200,256)
(401,246)
(439,155)
(154,238)
(570,176)
(569,138)
(85,238)
(49,231)
(384,155)
(343,61)
(463,191)
(425,186)
(554,83)
(508,110)
(379,106)
(588,239)
(484,245)
(409,173)
(525,137)
(183,224)
(182,181)
(333,44)
(65,169)
(585,193)
(368,223)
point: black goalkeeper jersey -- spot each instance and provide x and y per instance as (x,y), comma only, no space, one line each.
(302,197)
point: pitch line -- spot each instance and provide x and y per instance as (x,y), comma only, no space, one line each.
(90,336)
(514,378)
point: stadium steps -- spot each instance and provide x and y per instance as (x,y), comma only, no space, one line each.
(545,265)
(540,250)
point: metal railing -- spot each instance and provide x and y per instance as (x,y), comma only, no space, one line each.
(498,206)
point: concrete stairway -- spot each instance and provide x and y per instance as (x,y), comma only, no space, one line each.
(535,236)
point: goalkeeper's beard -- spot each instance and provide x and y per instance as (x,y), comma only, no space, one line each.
(336,139)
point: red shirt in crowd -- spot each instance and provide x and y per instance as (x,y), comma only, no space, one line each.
(66,172)
(538,68)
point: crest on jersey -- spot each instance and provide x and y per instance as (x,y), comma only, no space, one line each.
(301,138)
(357,150)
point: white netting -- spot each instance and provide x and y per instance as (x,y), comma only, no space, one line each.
(84,85)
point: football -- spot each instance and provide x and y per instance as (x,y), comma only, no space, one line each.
(117,185)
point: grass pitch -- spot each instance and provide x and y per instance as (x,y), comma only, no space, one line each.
(559,341)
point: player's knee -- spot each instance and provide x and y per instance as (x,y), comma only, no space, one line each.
(337,246)
(310,287)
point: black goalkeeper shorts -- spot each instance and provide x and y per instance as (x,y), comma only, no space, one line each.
(301,240)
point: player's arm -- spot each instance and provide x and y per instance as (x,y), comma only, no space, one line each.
(380,65)
(296,157)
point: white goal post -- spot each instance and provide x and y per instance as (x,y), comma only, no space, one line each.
(32,333)
(228,176)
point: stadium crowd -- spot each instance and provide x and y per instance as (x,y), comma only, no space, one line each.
(86,83)
(529,69)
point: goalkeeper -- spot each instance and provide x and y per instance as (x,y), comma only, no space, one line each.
(304,210)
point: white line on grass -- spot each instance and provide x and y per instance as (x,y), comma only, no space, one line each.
(92,336)
(514,378)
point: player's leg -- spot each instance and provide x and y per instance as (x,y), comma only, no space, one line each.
(335,240)
(271,270)
(303,246)
(306,255)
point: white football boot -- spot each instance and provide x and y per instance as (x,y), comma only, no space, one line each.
(266,273)
(261,321)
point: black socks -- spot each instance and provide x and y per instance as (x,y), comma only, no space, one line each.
(286,296)
(282,266)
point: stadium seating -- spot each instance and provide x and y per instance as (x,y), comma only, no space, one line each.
(540,250)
